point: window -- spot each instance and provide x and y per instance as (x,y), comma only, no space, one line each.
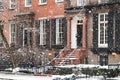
(12,34)
(59,31)
(43,32)
(102,30)
(81,2)
(103,59)
(28,3)
(1,5)
(102,1)
(27,37)
(42,2)
(1,39)
(59,0)
(12,4)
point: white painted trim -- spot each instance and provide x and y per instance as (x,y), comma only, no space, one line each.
(81,2)
(57,1)
(10,34)
(40,3)
(27,5)
(59,16)
(101,45)
(24,35)
(43,18)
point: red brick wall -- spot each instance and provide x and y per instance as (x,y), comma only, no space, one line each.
(50,9)
(7,15)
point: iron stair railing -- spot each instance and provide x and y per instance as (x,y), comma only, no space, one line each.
(67,58)
(56,57)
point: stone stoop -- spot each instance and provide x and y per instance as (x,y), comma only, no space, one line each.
(69,57)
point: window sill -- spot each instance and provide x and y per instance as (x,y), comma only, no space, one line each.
(42,4)
(59,2)
(28,5)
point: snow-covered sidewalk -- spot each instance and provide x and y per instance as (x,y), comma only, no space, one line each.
(23,77)
(7,76)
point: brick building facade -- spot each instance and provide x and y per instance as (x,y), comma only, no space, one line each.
(66,31)
(102,37)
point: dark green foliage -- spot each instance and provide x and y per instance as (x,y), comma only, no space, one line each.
(63,71)
(101,72)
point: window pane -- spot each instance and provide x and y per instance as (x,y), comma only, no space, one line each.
(59,31)
(28,2)
(43,1)
(101,17)
(106,17)
(103,25)
(12,33)
(43,32)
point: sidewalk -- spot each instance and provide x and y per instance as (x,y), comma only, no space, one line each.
(23,77)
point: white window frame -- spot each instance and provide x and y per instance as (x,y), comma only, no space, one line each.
(11,4)
(24,36)
(81,2)
(28,5)
(1,5)
(59,1)
(43,33)
(102,36)
(1,39)
(103,1)
(42,3)
(12,32)
(59,32)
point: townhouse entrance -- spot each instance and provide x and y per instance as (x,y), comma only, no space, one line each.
(79,36)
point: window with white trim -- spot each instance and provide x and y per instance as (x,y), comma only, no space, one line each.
(103,1)
(43,34)
(12,33)
(59,0)
(1,5)
(28,3)
(59,31)
(81,2)
(27,37)
(102,30)
(11,4)
(42,2)
(1,39)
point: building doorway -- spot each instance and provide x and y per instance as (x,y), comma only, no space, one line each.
(79,36)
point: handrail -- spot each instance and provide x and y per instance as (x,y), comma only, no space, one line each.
(56,56)
(67,56)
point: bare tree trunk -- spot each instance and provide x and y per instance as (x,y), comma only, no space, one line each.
(7,47)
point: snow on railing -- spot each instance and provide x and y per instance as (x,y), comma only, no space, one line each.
(67,58)
(56,56)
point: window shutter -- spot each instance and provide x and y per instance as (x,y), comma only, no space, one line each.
(64,24)
(95,30)
(110,31)
(48,34)
(37,23)
(53,31)
(117,30)
(31,39)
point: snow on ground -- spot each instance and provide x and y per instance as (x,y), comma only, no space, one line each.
(14,76)
(4,76)
(80,66)
(92,78)
(23,77)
